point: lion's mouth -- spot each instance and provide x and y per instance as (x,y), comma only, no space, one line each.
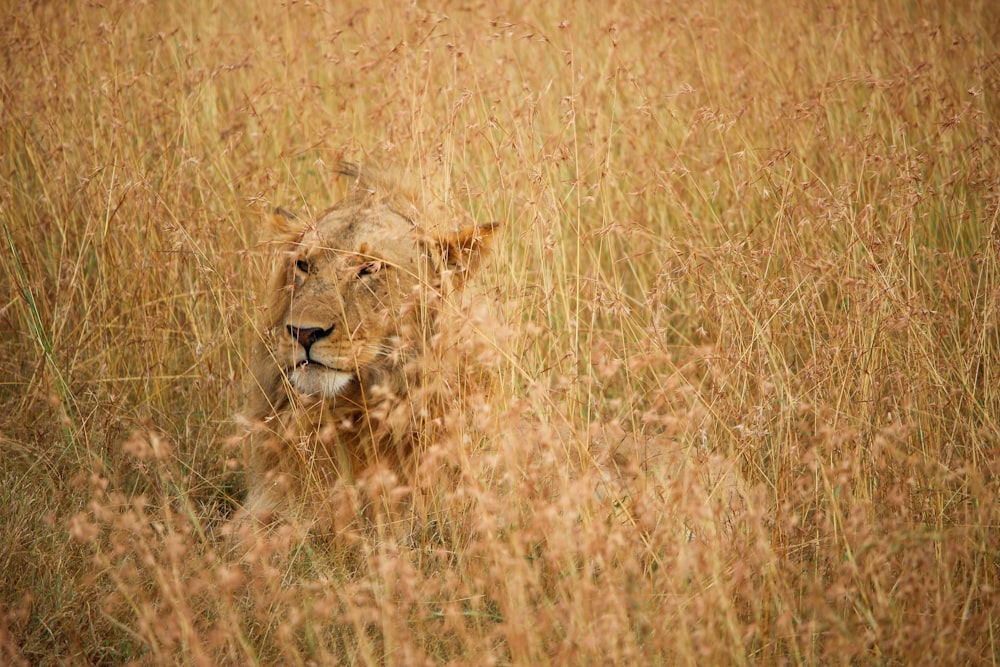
(313,378)
(312,363)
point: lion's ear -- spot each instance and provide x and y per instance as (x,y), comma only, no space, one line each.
(460,252)
(283,226)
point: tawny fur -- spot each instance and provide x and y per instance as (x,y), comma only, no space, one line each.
(370,275)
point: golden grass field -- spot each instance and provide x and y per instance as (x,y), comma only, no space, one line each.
(753,252)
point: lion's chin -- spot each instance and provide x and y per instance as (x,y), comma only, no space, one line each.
(316,380)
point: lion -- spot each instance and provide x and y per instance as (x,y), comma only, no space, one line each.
(352,304)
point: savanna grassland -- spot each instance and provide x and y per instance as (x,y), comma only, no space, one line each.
(741,403)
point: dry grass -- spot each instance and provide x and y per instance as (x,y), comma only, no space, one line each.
(753,252)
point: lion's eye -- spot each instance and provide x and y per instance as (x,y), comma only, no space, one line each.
(303,266)
(369,269)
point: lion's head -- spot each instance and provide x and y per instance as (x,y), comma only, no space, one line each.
(351,303)
(344,293)
(350,293)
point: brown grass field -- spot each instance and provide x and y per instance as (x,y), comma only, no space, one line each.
(742,400)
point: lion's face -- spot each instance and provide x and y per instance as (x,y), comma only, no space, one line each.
(352,282)
(350,293)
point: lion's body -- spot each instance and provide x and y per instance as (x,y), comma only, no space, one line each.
(350,308)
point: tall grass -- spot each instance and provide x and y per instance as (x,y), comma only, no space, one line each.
(744,400)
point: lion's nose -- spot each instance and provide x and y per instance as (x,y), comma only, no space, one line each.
(308,336)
